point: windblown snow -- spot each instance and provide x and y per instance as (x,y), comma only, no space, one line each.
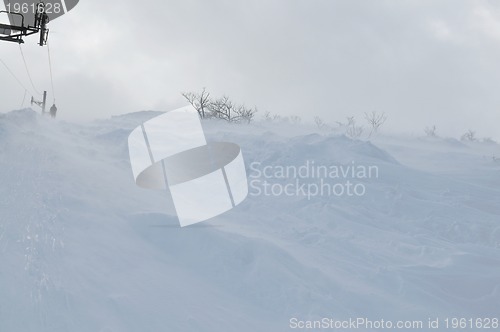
(82,248)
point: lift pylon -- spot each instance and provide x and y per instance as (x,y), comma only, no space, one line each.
(42,103)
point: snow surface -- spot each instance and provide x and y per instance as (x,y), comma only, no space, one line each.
(83,249)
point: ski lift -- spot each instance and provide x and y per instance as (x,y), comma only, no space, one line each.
(29,17)
(20,28)
(42,103)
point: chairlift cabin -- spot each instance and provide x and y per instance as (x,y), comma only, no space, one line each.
(24,20)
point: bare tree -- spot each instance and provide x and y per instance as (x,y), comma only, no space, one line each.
(200,101)
(350,121)
(269,117)
(319,122)
(375,120)
(430,131)
(470,136)
(222,108)
(244,114)
(353,131)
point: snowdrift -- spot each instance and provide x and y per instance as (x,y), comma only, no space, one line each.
(83,249)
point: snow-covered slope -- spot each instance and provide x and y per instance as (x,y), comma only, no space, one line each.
(83,249)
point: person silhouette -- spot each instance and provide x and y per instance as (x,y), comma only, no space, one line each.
(53,111)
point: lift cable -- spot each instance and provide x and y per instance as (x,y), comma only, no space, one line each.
(51,76)
(14,76)
(28,72)
(17,80)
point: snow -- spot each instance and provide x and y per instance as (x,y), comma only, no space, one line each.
(82,248)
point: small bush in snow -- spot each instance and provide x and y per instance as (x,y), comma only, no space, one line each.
(375,120)
(319,122)
(268,116)
(431,131)
(469,136)
(353,131)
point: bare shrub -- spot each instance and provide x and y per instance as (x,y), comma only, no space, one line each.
(353,131)
(375,120)
(469,136)
(430,131)
(200,101)
(319,122)
(221,108)
(268,116)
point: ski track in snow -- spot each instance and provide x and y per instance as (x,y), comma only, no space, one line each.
(83,249)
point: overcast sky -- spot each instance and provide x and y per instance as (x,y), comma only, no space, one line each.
(421,62)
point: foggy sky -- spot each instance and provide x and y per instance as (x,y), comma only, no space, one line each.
(421,62)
